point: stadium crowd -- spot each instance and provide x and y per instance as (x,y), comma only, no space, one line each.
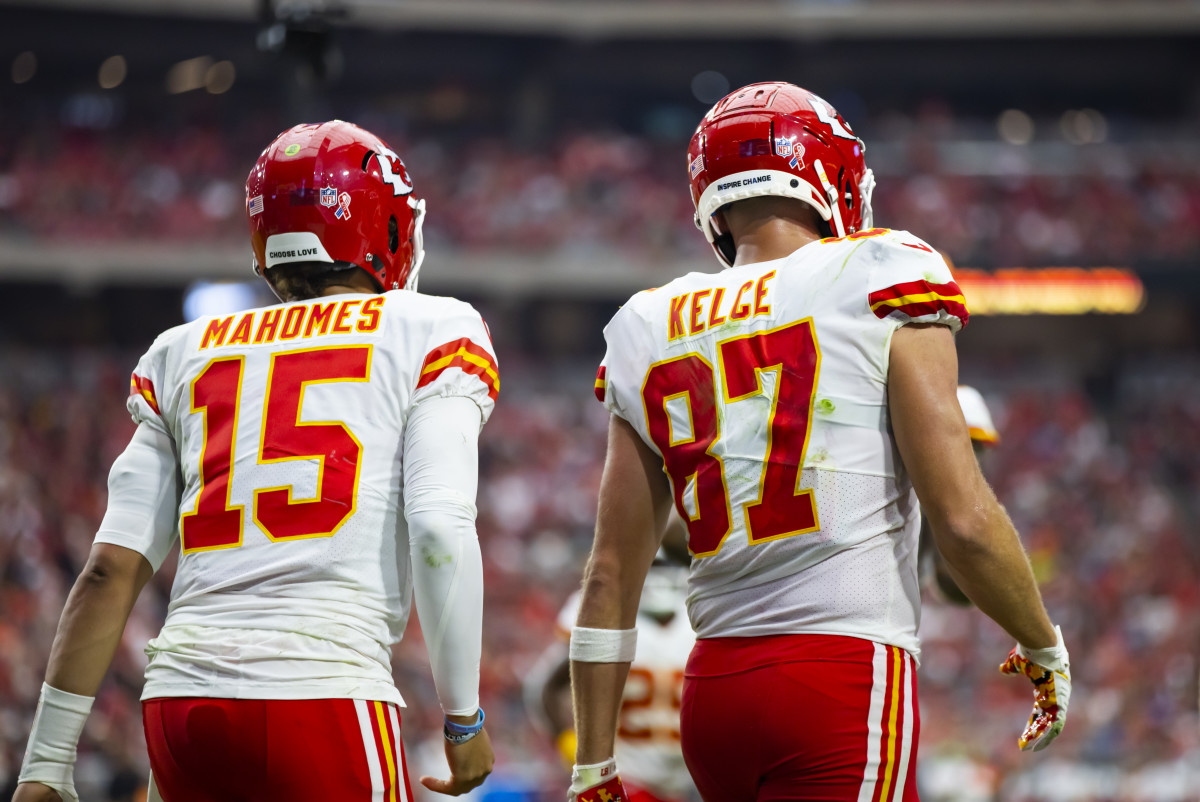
(1104,487)
(600,193)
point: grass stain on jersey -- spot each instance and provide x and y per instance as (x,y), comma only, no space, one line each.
(825,407)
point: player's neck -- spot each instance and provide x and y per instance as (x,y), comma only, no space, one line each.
(769,238)
(355,284)
(770,227)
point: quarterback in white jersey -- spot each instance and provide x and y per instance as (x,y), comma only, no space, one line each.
(792,409)
(316,461)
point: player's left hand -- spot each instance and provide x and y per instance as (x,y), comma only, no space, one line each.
(470,764)
(597,782)
(1049,670)
(35,792)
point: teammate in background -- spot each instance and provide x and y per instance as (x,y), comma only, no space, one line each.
(799,404)
(932,565)
(317,461)
(647,741)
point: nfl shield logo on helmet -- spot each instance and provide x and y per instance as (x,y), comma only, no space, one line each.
(783,146)
(329,196)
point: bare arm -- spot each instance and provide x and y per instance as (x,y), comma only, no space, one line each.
(89,632)
(634,500)
(94,618)
(972,531)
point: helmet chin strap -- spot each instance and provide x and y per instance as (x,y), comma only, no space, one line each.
(866,188)
(418,207)
(835,214)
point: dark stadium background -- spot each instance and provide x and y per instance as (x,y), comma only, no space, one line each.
(548,139)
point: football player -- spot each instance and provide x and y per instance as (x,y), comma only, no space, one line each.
(317,462)
(793,409)
(647,740)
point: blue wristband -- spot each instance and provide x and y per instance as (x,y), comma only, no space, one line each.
(461,733)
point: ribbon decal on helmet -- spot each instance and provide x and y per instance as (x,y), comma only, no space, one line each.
(343,209)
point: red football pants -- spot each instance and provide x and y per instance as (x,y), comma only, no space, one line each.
(818,718)
(259,750)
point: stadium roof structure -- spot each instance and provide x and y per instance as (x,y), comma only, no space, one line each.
(817,19)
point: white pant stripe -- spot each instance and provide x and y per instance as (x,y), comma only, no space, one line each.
(874,722)
(401,769)
(372,749)
(906,734)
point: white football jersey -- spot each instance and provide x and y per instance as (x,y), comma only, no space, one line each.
(764,389)
(294,577)
(648,750)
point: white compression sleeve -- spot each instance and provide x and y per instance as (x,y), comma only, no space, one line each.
(441,465)
(143,496)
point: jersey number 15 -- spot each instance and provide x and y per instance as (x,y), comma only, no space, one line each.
(216,392)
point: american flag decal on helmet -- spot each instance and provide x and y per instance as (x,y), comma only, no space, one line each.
(256,205)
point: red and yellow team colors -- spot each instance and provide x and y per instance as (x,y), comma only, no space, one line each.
(764,390)
(205,749)
(293,578)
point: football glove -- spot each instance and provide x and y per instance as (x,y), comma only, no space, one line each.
(1049,670)
(597,782)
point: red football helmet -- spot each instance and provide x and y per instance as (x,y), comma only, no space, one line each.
(777,139)
(335,193)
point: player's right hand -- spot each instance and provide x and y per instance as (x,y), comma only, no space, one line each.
(597,782)
(1049,670)
(36,792)
(470,764)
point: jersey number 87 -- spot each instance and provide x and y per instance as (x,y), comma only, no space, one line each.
(781,509)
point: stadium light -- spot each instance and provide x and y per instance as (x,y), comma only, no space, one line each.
(23,67)
(188,75)
(1015,127)
(219,78)
(112,72)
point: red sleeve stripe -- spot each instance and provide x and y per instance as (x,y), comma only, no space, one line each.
(468,357)
(144,388)
(919,298)
(601,384)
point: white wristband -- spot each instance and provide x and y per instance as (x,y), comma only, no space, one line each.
(57,725)
(1054,658)
(592,774)
(603,645)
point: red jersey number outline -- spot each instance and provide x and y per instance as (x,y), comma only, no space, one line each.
(781,509)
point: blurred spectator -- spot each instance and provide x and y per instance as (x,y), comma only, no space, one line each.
(607,194)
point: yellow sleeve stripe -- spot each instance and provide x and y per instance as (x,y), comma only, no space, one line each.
(905,300)
(466,356)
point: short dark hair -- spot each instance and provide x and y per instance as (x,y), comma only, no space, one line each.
(300,281)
